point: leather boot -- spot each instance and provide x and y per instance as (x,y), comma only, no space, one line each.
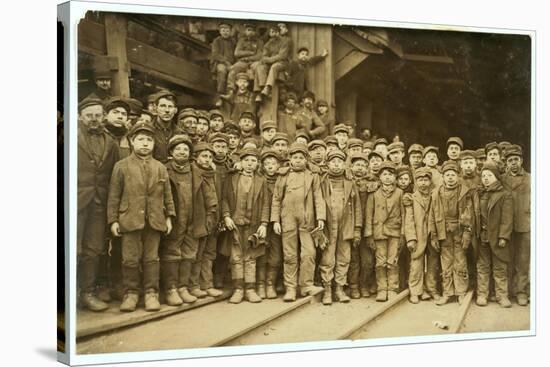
(354,293)
(129,302)
(327,295)
(92,303)
(382,296)
(250,294)
(238,293)
(442,300)
(213,292)
(481,300)
(340,295)
(392,294)
(151,300)
(169,272)
(365,293)
(173,298)
(522,299)
(186,296)
(197,292)
(271,279)
(261,290)
(504,302)
(290,295)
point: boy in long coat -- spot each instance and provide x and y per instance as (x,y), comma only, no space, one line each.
(451,222)
(497,213)
(298,208)
(344,221)
(383,230)
(245,209)
(140,208)
(518,181)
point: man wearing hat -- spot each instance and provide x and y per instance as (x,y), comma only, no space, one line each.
(493,152)
(454,147)
(288,118)
(247,52)
(275,55)
(195,204)
(297,75)
(297,209)
(135,110)
(342,132)
(322,109)
(240,101)
(187,122)
(518,181)
(216,121)
(164,126)
(140,216)
(245,209)
(116,123)
(233,133)
(344,221)
(203,126)
(311,123)
(317,150)
(102,80)
(97,154)
(417,208)
(415,156)
(383,230)
(497,222)
(451,226)
(201,277)
(430,160)
(396,152)
(222,56)
(268,266)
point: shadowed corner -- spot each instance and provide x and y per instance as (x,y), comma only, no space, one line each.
(49,353)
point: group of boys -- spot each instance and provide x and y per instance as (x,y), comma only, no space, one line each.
(189,198)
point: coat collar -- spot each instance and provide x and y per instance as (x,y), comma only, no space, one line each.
(419,198)
(495,198)
(84,143)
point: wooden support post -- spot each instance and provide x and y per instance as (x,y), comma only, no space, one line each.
(346,111)
(116,29)
(268,109)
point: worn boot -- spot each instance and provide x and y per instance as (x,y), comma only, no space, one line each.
(103,292)
(129,302)
(425,296)
(238,293)
(186,296)
(481,300)
(392,294)
(340,295)
(290,295)
(260,290)
(93,303)
(382,296)
(151,300)
(365,293)
(88,273)
(442,300)
(213,292)
(173,298)
(504,302)
(271,279)
(169,281)
(414,299)
(327,295)
(250,294)
(354,293)
(382,284)
(522,299)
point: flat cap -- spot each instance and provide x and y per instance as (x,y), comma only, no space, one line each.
(308,94)
(89,101)
(480,153)
(331,139)
(415,148)
(249,25)
(402,170)
(115,102)
(280,136)
(336,153)
(231,128)
(467,154)
(249,151)
(396,147)
(213,113)
(430,148)
(449,165)
(301,134)
(242,76)
(297,148)
(200,146)
(218,137)
(455,140)
(268,124)
(142,127)
(341,127)
(135,105)
(368,145)
(490,146)
(248,115)
(355,142)
(187,112)
(389,166)
(322,102)
(359,155)
(380,141)
(179,139)
(513,150)
(377,154)
(491,166)
(203,114)
(291,95)
(316,143)
(103,74)
(223,23)
(267,152)
(422,172)
(164,93)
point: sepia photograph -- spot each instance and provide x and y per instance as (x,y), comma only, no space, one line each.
(250,180)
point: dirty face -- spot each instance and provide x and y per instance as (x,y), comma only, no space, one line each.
(103,84)
(387,177)
(303,55)
(375,162)
(204,159)
(143,144)
(281,147)
(359,168)
(404,181)
(318,154)
(234,141)
(423,183)
(188,124)
(487,178)
(430,159)
(268,134)
(453,151)
(220,148)
(270,165)
(216,123)
(202,127)
(415,159)
(92,117)
(494,155)
(117,116)
(246,124)
(181,153)
(225,31)
(336,165)
(355,149)
(342,137)
(249,163)
(514,163)
(166,109)
(322,110)
(382,148)
(396,157)
(298,160)
(468,166)
(450,178)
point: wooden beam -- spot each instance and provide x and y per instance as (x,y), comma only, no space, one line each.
(91,37)
(169,67)
(357,41)
(116,29)
(429,58)
(348,63)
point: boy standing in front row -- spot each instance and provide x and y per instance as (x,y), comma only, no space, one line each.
(139,209)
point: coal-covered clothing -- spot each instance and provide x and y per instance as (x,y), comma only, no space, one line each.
(297,78)
(241,102)
(91,231)
(140,193)
(311,123)
(329,125)
(521,243)
(249,49)
(472,181)
(140,247)
(223,51)
(205,201)
(181,179)
(289,122)
(437,177)
(243,255)
(455,277)
(361,266)
(433,271)
(387,271)
(163,133)
(440,222)
(488,264)
(520,187)
(384,214)
(276,49)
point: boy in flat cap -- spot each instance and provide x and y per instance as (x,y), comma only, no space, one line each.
(222,56)
(317,150)
(187,121)
(288,119)
(116,123)
(270,264)
(518,181)
(481,157)
(430,160)
(240,101)
(361,267)
(415,156)
(247,124)
(355,146)
(396,153)
(280,144)
(140,209)
(245,209)
(216,120)
(201,278)
(322,109)
(297,209)
(451,224)
(368,147)
(311,123)
(297,76)
(497,222)
(164,127)
(494,154)
(468,167)
(454,147)
(268,130)
(302,137)
(381,145)
(97,155)
(248,53)
(383,230)
(233,133)
(404,178)
(275,56)
(344,221)
(203,125)
(196,203)
(331,142)
(341,132)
